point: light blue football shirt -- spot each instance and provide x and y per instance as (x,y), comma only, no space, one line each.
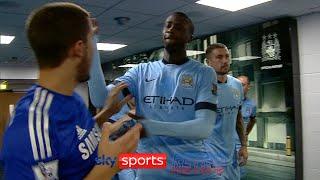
(223,138)
(248,111)
(178,102)
(170,95)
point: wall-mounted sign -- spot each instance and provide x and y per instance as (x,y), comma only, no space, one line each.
(270,47)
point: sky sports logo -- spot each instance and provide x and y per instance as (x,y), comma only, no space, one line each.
(143,161)
(135,161)
(159,161)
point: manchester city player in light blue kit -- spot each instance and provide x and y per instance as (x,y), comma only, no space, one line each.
(230,95)
(248,112)
(52,135)
(249,107)
(175,98)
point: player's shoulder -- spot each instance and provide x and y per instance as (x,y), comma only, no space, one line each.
(234,80)
(78,99)
(142,67)
(43,100)
(23,129)
(34,97)
(235,83)
(251,102)
(38,99)
(204,69)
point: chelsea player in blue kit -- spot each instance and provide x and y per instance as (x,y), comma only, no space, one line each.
(175,98)
(52,135)
(230,95)
(248,112)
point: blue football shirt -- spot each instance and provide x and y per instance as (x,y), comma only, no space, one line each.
(50,136)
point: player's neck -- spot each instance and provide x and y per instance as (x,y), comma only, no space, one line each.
(175,57)
(222,78)
(57,80)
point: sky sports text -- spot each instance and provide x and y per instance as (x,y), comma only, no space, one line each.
(106,160)
(143,161)
(158,161)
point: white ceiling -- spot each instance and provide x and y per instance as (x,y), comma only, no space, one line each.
(143,32)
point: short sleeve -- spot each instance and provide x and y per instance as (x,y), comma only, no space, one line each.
(30,147)
(254,110)
(131,78)
(207,92)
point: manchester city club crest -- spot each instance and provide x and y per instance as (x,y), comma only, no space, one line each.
(270,47)
(236,94)
(186,81)
(214,89)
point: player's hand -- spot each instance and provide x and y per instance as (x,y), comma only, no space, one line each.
(243,156)
(117,125)
(124,144)
(113,105)
(95,27)
(132,114)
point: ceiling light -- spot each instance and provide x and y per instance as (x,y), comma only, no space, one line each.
(246,58)
(4,85)
(193,52)
(231,5)
(109,47)
(128,65)
(6,39)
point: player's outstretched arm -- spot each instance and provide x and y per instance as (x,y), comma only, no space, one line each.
(113,104)
(198,128)
(97,86)
(124,144)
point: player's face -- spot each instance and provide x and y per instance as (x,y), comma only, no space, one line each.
(84,67)
(245,84)
(219,59)
(176,31)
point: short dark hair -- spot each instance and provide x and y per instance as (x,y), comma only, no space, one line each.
(53,29)
(191,26)
(214,46)
(244,76)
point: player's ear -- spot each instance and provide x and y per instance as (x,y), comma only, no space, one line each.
(190,38)
(78,49)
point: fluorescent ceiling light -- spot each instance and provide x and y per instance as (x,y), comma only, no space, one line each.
(231,5)
(3,85)
(245,58)
(193,53)
(109,47)
(128,65)
(6,39)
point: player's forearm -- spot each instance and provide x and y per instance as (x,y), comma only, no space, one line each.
(101,172)
(198,128)
(250,125)
(240,130)
(97,85)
